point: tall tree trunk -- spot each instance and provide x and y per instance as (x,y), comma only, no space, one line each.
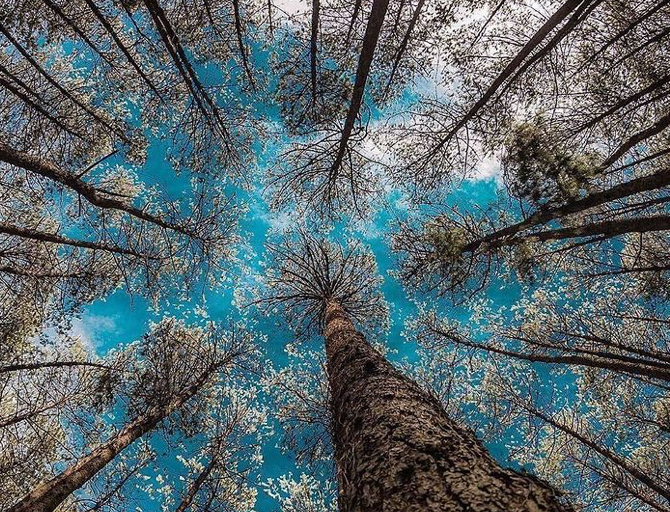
(73,26)
(85,107)
(21,95)
(117,40)
(624,102)
(47,496)
(556,19)
(622,33)
(602,230)
(577,17)
(397,450)
(403,45)
(197,484)
(372,31)
(313,47)
(656,128)
(93,195)
(51,364)
(654,181)
(240,43)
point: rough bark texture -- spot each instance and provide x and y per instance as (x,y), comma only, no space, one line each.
(397,450)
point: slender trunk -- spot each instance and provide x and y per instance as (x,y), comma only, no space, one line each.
(561,14)
(486,23)
(70,23)
(196,485)
(644,184)
(41,236)
(25,272)
(354,15)
(603,230)
(86,108)
(8,421)
(611,362)
(176,50)
(313,45)
(50,364)
(93,195)
(604,452)
(578,16)
(623,32)
(105,499)
(240,42)
(372,31)
(397,450)
(661,82)
(403,45)
(47,496)
(641,47)
(117,40)
(635,139)
(637,161)
(36,106)
(624,484)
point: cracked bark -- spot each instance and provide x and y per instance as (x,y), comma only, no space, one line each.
(397,450)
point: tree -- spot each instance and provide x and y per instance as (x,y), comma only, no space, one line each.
(452,250)
(578,373)
(330,169)
(394,445)
(178,364)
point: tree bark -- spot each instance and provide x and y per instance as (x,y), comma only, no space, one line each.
(623,32)
(603,230)
(654,181)
(397,450)
(47,496)
(93,195)
(372,31)
(313,47)
(658,84)
(354,15)
(176,50)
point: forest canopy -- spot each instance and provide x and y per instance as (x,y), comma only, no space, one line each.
(319,255)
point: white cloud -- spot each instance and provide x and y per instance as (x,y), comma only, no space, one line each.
(291,7)
(488,169)
(90,329)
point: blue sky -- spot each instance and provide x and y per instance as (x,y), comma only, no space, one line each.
(119,318)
